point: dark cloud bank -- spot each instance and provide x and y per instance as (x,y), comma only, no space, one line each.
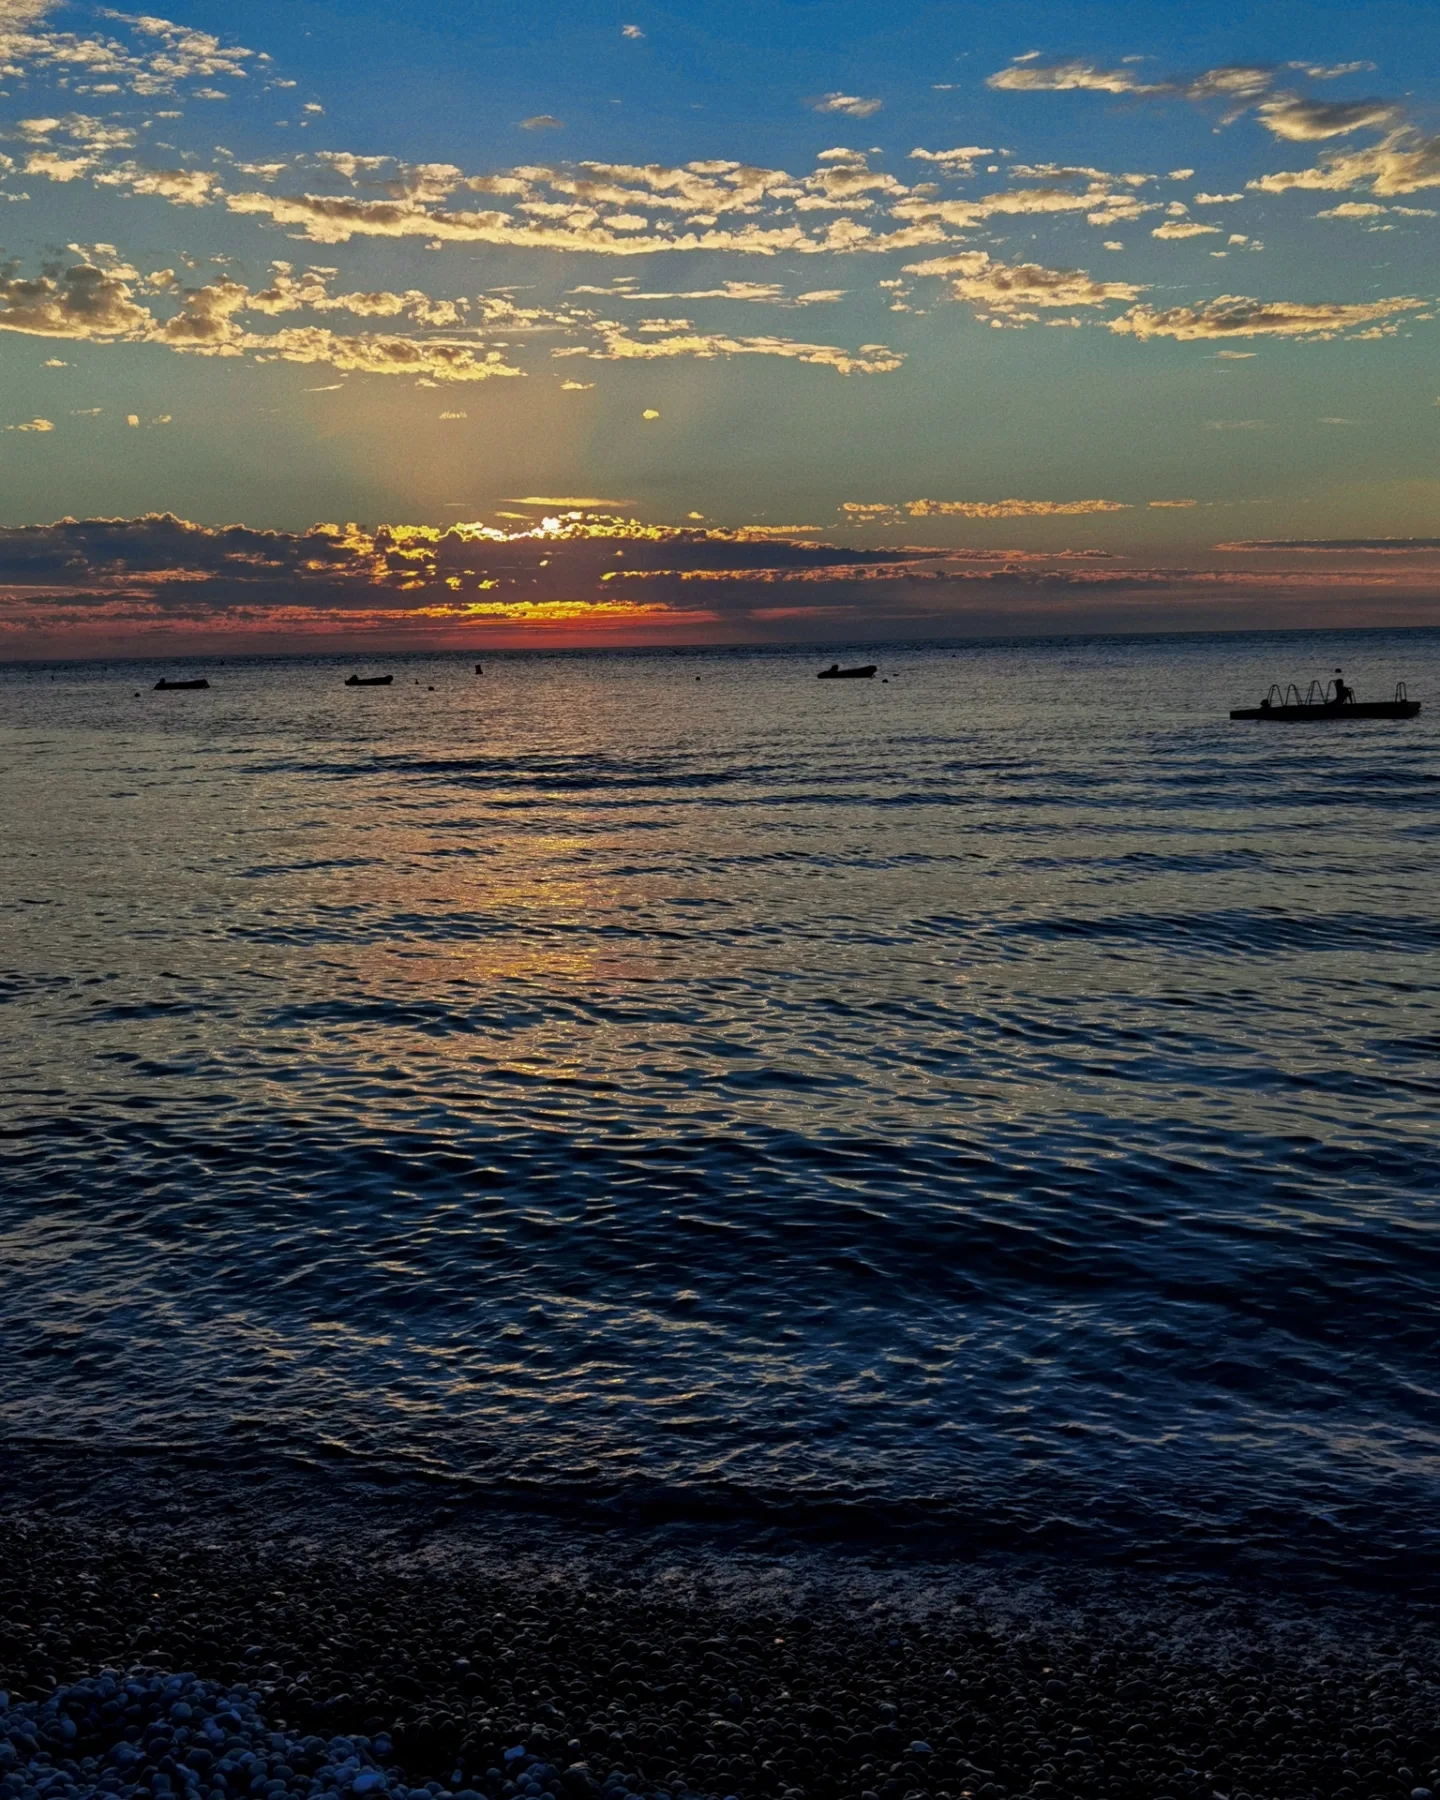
(158,584)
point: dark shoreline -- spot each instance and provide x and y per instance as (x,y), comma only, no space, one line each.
(676,1661)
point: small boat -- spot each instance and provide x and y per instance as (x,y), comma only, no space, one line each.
(162,686)
(836,673)
(368,680)
(479,668)
(1335,700)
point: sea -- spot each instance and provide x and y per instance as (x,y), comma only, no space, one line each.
(992,1105)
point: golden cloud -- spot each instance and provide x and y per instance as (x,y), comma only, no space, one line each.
(55,166)
(1183,228)
(1009,287)
(335,219)
(1234,315)
(1304,121)
(83,302)
(1403,163)
(206,320)
(1067,77)
(181,187)
(960,161)
(615,346)
(1010,509)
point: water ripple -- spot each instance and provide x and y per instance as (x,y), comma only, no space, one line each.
(875,1109)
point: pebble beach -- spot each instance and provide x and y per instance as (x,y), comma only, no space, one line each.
(312,1651)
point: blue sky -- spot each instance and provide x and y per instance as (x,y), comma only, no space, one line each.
(1049,286)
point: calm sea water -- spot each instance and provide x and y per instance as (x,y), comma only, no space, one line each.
(1003,1096)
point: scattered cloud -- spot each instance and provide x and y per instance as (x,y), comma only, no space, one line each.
(957,162)
(615,345)
(590,502)
(846,203)
(980,509)
(1404,162)
(159,57)
(1233,315)
(1237,84)
(581,219)
(1371,209)
(1320,72)
(1304,121)
(850,106)
(1184,228)
(83,302)
(181,187)
(1172,504)
(1371,546)
(650,413)
(1026,76)
(440,344)
(1015,288)
(55,166)
(760,293)
(32,425)
(206,320)
(372,353)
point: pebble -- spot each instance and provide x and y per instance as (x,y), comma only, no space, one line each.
(153,1734)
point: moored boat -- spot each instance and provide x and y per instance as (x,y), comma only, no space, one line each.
(368,680)
(836,673)
(1336,700)
(162,686)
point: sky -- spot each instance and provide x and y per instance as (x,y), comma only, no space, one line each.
(448,324)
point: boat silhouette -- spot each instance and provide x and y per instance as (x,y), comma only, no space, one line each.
(162,686)
(1336,700)
(368,680)
(836,673)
